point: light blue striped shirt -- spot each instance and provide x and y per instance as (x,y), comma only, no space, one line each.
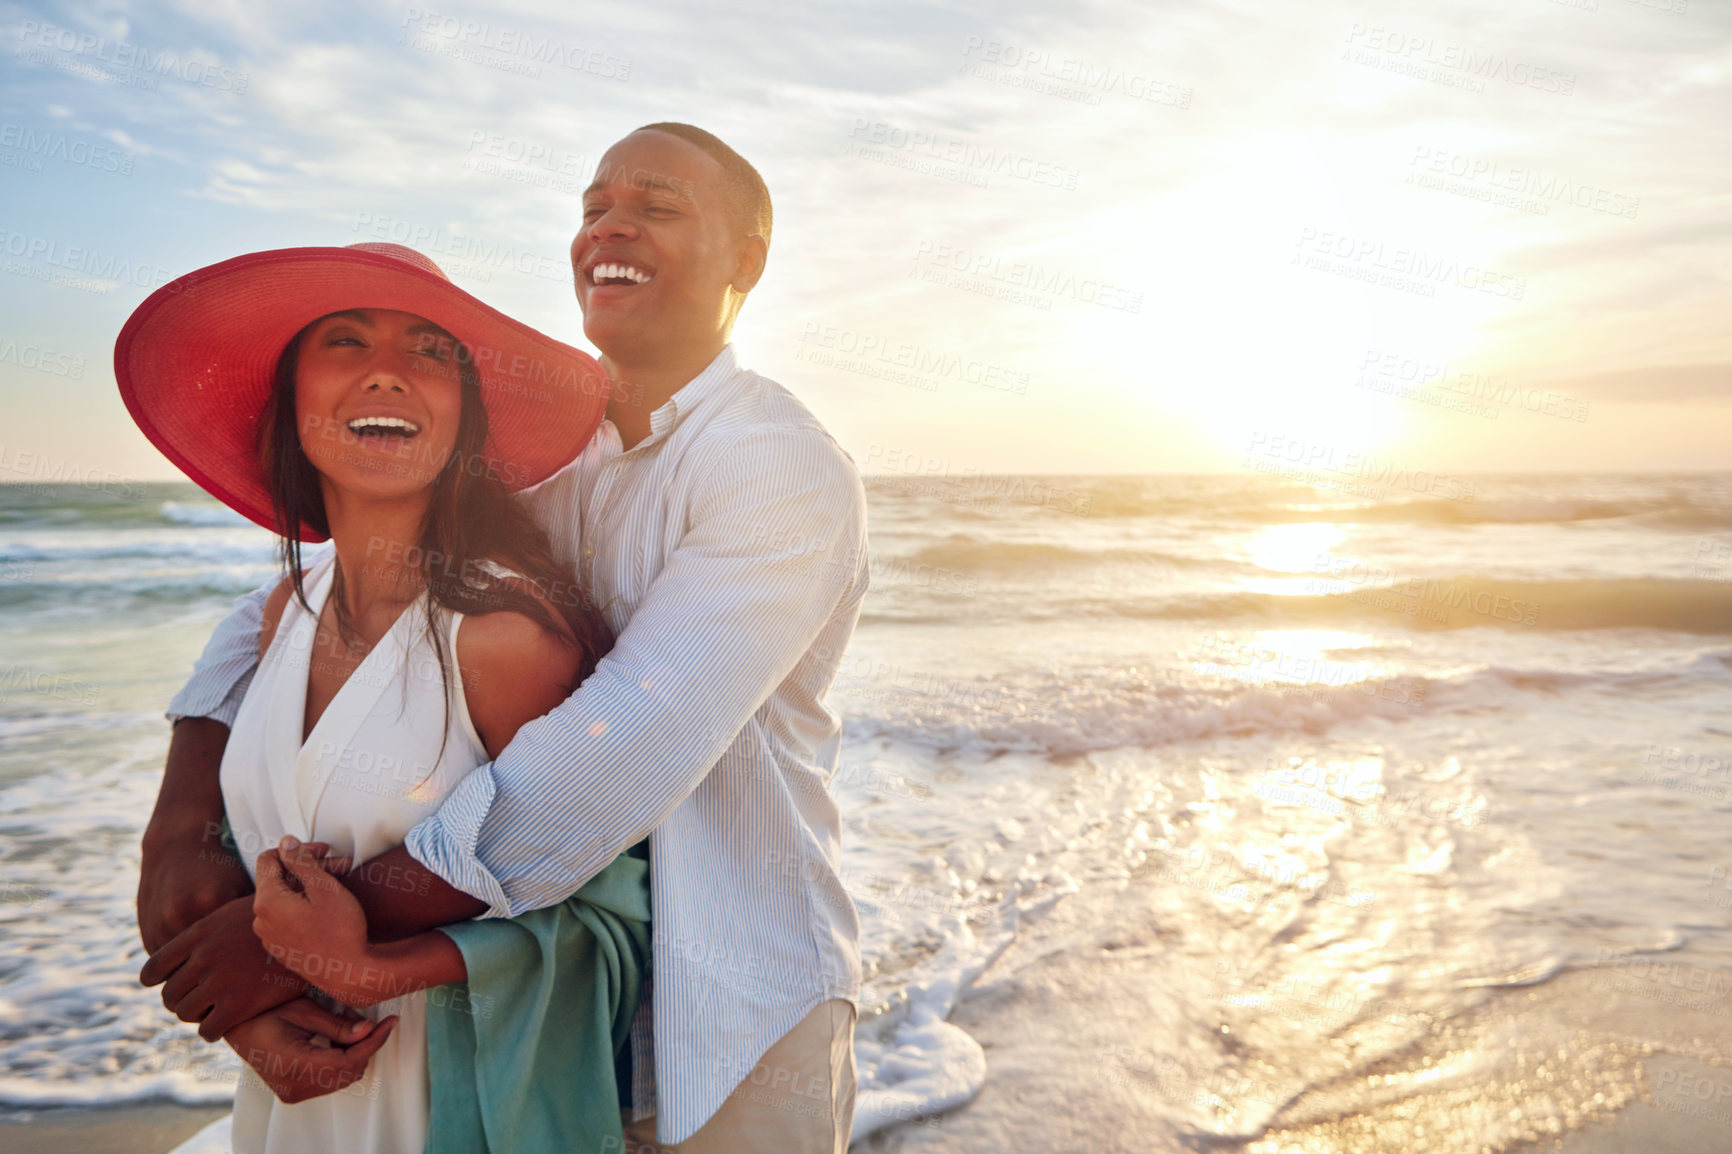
(728,552)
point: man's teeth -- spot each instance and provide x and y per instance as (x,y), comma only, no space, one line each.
(603,272)
(385,425)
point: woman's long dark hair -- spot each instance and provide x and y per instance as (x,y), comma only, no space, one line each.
(471,520)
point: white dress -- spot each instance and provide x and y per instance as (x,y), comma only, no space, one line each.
(371,769)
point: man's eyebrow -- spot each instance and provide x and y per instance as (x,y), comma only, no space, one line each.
(656,183)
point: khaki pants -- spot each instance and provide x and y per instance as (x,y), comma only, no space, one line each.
(799,1099)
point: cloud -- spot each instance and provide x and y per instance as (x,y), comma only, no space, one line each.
(1203,136)
(1662,384)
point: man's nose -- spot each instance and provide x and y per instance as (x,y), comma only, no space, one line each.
(611,225)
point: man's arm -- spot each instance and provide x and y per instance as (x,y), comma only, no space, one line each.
(185,873)
(777,543)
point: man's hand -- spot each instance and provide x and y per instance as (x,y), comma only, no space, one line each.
(186,873)
(218,974)
(281,1047)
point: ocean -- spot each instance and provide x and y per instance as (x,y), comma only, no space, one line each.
(1296,813)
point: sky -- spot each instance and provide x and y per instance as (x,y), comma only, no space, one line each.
(1121,236)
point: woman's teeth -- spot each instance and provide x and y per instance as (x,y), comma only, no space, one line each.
(383,427)
(618,272)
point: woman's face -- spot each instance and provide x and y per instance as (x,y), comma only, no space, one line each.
(377,400)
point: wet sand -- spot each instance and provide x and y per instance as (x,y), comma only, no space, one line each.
(146,1129)
(1047,1091)
(1575,1064)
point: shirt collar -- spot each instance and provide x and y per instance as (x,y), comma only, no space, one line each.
(693,393)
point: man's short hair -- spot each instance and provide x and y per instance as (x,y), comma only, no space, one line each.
(745,188)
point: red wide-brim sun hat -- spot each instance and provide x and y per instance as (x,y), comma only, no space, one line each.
(195,364)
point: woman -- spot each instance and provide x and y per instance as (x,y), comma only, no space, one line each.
(355,394)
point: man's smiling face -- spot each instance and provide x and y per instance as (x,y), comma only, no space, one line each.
(662,260)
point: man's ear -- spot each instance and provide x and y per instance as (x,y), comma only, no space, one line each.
(749,265)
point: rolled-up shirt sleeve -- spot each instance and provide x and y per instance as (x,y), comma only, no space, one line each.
(224,670)
(775,546)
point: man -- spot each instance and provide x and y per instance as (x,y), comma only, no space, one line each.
(723,532)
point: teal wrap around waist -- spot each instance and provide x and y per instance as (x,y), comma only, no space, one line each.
(521,1055)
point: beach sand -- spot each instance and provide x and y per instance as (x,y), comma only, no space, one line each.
(146,1129)
(1605,1071)
(1589,1062)
(1047,1091)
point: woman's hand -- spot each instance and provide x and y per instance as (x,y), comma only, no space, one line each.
(283,1047)
(310,922)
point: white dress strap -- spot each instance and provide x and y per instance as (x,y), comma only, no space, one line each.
(459,696)
(288,660)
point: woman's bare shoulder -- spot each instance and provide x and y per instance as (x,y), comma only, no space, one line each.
(273,612)
(514,669)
